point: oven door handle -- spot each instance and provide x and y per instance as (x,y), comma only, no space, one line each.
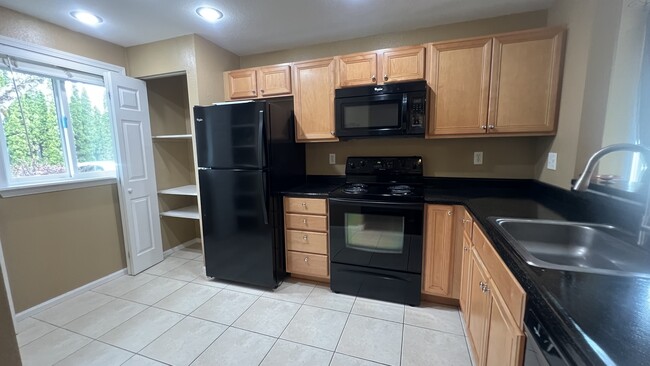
(364,203)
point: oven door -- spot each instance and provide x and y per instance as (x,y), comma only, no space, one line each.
(371,115)
(382,235)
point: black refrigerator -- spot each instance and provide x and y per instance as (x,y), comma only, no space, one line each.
(246,154)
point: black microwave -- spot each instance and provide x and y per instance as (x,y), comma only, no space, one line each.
(381,110)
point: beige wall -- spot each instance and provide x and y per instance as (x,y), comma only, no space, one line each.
(29,29)
(8,344)
(56,242)
(211,62)
(593,91)
(503,157)
(439,33)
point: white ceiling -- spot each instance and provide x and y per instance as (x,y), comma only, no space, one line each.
(256,26)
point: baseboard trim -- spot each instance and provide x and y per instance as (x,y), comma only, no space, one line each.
(68,295)
(180,246)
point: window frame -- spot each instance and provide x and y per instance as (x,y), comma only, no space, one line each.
(48,56)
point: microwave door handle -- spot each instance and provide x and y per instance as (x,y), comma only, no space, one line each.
(405,114)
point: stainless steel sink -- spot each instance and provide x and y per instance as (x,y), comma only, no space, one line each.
(573,246)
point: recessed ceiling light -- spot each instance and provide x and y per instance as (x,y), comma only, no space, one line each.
(209,14)
(86,17)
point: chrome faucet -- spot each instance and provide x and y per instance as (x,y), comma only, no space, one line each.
(583,181)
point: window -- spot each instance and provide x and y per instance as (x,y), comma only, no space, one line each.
(55,124)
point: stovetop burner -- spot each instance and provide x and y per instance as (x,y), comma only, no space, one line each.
(355,188)
(383,179)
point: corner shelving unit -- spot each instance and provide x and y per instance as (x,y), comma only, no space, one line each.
(174,160)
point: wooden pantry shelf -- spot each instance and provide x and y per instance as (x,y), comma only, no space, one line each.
(189,212)
(172,137)
(188,190)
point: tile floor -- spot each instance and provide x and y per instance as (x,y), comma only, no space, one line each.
(172,315)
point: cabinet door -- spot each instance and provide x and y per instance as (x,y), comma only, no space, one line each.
(459,76)
(526,68)
(505,341)
(438,267)
(358,69)
(274,80)
(465,277)
(314,100)
(241,84)
(403,64)
(479,306)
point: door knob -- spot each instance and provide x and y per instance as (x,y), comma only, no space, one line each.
(130,190)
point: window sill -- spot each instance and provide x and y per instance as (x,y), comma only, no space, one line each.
(55,187)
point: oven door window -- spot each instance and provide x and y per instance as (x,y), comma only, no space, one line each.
(374,233)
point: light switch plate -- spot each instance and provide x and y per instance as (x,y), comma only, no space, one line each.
(551,162)
(332,159)
(478,157)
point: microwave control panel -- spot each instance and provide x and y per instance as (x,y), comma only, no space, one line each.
(417,108)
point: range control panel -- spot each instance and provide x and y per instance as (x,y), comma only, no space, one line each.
(402,165)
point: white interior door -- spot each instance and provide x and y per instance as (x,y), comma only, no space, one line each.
(137,180)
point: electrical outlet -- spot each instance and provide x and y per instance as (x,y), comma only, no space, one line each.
(332,159)
(478,157)
(551,162)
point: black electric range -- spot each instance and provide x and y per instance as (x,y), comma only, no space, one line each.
(376,222)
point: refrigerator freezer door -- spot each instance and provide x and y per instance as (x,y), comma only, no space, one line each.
(231,136)
(237,226)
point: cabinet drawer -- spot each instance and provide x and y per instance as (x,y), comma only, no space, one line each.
(316,206)
(307,264)
(306,241)
(306,222)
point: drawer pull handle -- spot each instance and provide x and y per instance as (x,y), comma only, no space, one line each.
(304,237)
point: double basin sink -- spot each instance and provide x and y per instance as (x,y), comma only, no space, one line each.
(572,246)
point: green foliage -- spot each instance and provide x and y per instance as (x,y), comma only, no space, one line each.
(32,131)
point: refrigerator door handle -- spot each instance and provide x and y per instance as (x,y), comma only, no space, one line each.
(264,208)
(260,138)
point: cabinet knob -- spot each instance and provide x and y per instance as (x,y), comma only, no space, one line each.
(254,92)
(385,77)
(304,204)
(465,248)
(373,78)
(306,259)
(465,221)
(491,127)
(484,127)
(304,237)
(449,213)
(304,221)
(332,133)
(262,91)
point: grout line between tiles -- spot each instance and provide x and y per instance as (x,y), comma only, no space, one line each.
(343,331)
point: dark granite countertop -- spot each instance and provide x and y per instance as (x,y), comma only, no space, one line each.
(316,186)
(595,319)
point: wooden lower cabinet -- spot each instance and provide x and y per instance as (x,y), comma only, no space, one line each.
(465,274)
(505,342)
(496,337)
(306,237)
(438,266)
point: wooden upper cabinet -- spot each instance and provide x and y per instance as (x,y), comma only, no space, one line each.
(380,67)
(459,77)
(438,264)
(357,69)
(403,64)
(241,84)
(259,82)
(526,68)
(313,87)
(274,80)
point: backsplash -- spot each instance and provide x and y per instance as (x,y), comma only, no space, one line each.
(507,157)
